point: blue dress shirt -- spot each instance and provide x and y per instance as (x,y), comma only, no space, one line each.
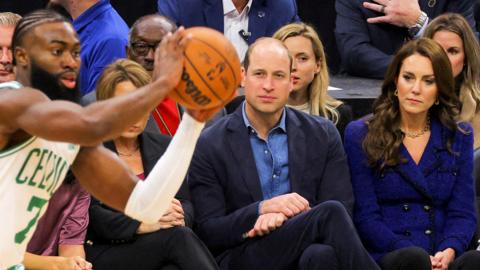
(103,38)
(271,158)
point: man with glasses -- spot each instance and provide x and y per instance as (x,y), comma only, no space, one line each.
(8,21)
(144,36)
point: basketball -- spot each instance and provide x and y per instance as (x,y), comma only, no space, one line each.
(211,72)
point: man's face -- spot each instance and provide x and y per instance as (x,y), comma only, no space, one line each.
(145,38)
(53,61)
(267,81)
(6,57)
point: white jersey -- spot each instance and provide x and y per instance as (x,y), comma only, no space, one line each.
(29,174)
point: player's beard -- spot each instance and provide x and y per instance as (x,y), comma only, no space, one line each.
(50,85)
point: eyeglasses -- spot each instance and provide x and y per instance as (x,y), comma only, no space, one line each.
(142,48)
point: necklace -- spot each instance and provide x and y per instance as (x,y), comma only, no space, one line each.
(416,134)
(129,154)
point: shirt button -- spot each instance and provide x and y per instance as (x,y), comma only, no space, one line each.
(427,207)
(266,152)
(428,232)
(274,176)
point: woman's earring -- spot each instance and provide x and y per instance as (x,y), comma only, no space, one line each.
(437,102)
(396,92)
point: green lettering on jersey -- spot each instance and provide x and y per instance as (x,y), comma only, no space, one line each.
(38,168)
(21,179)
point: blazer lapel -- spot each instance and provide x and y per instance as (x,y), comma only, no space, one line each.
(258,18)
(297,150)
(239,142)
(213,12)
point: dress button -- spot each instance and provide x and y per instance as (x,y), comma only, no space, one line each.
(406,207)
(427,208)
(407,233)
(428,232)
(454,173)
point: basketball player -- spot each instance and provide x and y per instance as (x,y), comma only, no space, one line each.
(41,131)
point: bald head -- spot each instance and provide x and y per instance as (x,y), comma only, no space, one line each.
(262,45)
(145,34)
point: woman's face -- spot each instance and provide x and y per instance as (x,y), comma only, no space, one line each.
(133,131)
(416,85)
(453,46)
(305,66)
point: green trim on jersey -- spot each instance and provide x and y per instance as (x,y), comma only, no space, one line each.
(14,149)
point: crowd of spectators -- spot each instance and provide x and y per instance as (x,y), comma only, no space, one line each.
(287,180)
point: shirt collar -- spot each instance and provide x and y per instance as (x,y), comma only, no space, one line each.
(281,125)
(90,14)
(229,7)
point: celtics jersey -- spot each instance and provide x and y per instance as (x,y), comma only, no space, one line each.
(29,174)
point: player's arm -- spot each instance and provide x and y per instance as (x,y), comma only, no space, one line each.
(31,111)
(110,180)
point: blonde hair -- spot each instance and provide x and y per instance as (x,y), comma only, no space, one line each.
(320,102)
(9,18)
(469,79)
(120,71)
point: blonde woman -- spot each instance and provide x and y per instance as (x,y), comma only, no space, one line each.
(458,40)
(310,75)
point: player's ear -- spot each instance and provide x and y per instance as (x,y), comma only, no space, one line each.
(21,57)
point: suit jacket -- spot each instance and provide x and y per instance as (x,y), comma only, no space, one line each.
(367,49)
(224,182)
(429,205)
(108,226)
(264,18)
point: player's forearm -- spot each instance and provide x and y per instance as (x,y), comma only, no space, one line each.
(151,198)
(109,118)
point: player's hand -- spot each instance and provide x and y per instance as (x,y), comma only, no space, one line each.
(267,223)
(169,58)
(203,115)
(290,205)
(402,13)
(69,263)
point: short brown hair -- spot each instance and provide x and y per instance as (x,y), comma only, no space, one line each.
(120,71)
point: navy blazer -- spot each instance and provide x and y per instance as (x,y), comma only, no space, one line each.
(264,18)
(366,49)
(429,205)
(109,226)
(225,186)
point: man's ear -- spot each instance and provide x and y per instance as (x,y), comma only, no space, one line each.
(21,57)
(244,74)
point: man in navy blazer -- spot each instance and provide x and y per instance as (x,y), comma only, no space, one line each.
(264,16)
(369,32)
(270,184)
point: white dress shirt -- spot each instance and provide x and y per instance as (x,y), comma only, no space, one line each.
(234,22)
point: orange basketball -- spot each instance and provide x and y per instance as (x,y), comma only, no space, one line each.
(211,72)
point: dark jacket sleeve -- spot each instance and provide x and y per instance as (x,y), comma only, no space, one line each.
(461,220)
(336,184)
(464,7)
(216,226)
(359,56)
(109,224)
(367,215)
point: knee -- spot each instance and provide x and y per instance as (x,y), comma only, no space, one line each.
(334,209)
(318,256)
(416,256)
(469,260)
(319,250)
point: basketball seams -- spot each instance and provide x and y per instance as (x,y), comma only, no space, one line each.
(219,53)
(203,79)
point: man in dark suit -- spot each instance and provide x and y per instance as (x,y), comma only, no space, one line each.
(258,18)
(369,32)
(270,184)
